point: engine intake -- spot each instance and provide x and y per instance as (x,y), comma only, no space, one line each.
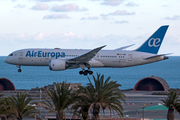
(57,65)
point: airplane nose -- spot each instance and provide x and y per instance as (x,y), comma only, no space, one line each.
(11,60)
(6,60)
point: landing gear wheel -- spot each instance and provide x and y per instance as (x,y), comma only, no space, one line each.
(85,73)
(19,66)
(81,72)
(19,70)
(90,72)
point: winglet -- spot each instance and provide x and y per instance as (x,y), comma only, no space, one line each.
(153,43)
(99,48)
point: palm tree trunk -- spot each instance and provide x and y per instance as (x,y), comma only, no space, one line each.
(59,116)
(96,112)
(85,113)
(19,118)
(170,115)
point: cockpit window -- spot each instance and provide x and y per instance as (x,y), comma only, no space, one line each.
(11,54)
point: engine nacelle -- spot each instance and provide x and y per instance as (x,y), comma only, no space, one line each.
(57,64)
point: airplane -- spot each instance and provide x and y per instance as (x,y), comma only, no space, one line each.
(61,59)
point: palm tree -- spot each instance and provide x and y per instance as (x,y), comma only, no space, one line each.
(20,106)
(172,103)
(61,98)
(1,96)
(5,109)
(98,96)
(2,108)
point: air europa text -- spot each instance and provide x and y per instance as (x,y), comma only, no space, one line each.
(45,54)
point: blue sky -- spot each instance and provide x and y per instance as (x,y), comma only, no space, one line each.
(87,24)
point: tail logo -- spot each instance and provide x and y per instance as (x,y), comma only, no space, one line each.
(154,42)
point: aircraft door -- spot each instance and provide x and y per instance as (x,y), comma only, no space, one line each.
(130,57)
(122,60)
(20,55)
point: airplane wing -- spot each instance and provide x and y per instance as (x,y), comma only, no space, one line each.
(84,58)
(124,47)
(156,56)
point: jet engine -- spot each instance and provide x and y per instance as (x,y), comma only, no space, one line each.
(57,65)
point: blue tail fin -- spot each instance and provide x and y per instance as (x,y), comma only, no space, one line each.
(153,43)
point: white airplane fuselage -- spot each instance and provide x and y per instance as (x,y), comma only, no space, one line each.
(104,58)
(62,59)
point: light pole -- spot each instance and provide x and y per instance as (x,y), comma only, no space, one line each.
(40,103)
(143,112)
(137,113)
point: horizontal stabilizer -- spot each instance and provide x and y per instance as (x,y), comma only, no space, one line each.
(121,48)
(156,56)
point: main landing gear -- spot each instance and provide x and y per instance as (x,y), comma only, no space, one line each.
(86,72)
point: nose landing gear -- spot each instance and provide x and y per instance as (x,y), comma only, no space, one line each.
(19,70)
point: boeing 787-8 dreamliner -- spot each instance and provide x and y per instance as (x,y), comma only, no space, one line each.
(62,59)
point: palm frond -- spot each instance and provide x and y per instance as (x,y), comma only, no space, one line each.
(172,103)
(103,93)
(61,98)
(19,106)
